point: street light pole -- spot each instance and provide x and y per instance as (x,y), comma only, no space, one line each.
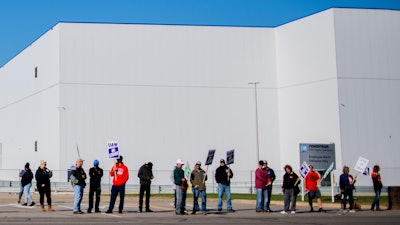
(255,96)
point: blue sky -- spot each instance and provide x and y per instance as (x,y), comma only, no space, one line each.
(23,21)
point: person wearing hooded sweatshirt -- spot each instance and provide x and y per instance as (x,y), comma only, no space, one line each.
(120,175)
(145,175)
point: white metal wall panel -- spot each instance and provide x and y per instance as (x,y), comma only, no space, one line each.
(369,87)
(28,106)
(307,85)
(168,92)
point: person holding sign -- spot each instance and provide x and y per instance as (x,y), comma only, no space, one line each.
(223,177)
(376,179)
(290,189)
(198,178)
(346,183)
(311,181)
(120,174)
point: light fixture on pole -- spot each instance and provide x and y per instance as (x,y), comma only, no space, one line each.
(255,96)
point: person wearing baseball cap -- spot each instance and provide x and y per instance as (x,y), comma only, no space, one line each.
(79,183)
(120,175)
(198,178)
(95,174)
(223,176)
(181,188)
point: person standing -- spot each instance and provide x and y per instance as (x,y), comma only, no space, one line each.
(26,182)
(145,175)
(377,182)
(346,183)
(95,174)
(262,180)
(78,177)
(223,176)
(271,175)
(290,182)
(180,185)
(311,181)
(120,174)
(42,176)
(21,188)
(198,178)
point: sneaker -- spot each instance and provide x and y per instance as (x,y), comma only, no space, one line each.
(108,211)
(293,212)
(120,211)
(78,212)
(231,210)
(25,204)
(32,204)
(97,211)
(149,210)
(320,210)
(352,211)
(283,212)
(259,211)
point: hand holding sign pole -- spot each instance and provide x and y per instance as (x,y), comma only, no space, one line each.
(230,158)
(210,158)
(360,166)
(113,153)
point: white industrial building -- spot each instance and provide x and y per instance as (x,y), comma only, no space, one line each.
(171,91)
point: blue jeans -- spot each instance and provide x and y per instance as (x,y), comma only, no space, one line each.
(261,199)
(223,188)
(196,194)
(28,196)
(376,199)
(78,193)
(114,192)
(180,199)
(21,191)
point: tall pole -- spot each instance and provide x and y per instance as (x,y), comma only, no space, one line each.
(257,141)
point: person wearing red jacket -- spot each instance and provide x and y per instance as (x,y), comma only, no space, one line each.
(262,180)
(311,180)
(120,175)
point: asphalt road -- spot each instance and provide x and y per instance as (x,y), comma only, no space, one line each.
(13,213)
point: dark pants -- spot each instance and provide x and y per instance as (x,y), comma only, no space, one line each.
(144,188)
(348,193)
(269,188)
(93,190)
(114,192)
(44,191)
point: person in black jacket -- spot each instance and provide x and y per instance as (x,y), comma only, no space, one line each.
(223,177)
(78,177)
(289,186)
(42,177)
(26,183)
(145,175)
(95,173)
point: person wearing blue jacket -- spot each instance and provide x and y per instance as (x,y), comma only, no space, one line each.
(346,183)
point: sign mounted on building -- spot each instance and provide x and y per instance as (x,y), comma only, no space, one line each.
(321,156)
